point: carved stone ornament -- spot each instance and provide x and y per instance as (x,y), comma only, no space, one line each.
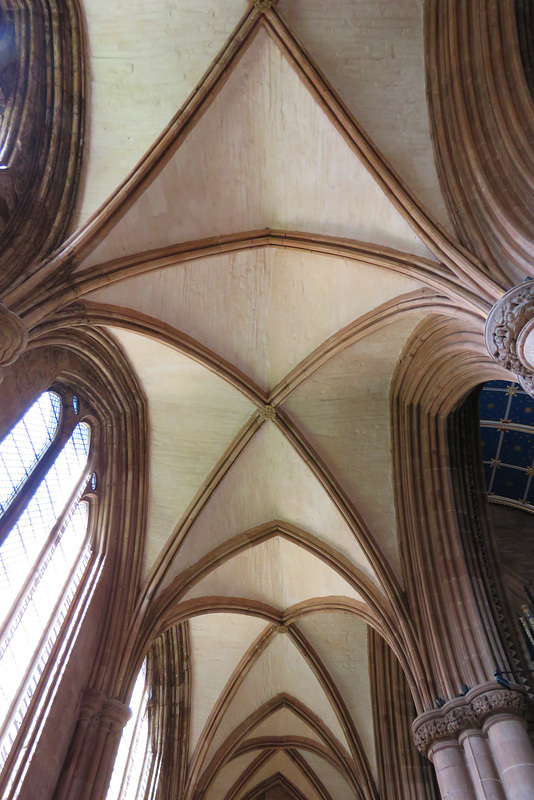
(509,332)
(268,413)
(262,5)
(464,713)
(13,336)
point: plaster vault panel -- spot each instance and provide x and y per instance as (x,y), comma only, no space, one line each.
(343,410)
(277,572)
(268,481)
(263,311)
(279,668)
(193,415)
(373,54)
(140,74)
(218,643)
(330,777)
(285,722)
(228,775)
(256,159)
(340,641)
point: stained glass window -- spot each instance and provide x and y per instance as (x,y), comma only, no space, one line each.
(44,553)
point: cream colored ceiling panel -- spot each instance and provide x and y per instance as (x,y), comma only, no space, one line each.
(280,762)
(262,311)
(277,572)
(343,410)
(268,481)
(373,54)
(285,722)
(145,58)
(280,668)
(264,154)
(340,641)
(218,642)
(193,415)
(229,774)
(331,778)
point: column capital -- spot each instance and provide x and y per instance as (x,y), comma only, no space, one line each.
(114,714)
(466,713)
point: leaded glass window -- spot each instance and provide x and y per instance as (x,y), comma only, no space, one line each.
(44,472)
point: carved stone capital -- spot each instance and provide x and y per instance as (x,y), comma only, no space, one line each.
(464,713)
(13,336)
(114,715)
(439,726)
(509,332)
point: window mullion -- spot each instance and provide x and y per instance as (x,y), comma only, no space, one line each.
(20,502)
(61,520)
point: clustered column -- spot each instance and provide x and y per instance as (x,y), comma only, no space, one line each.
(89,763)
(479,745)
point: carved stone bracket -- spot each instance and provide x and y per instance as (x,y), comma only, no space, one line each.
(464,713)
(13,337)
(509,332)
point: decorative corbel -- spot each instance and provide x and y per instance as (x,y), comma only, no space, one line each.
(509,333)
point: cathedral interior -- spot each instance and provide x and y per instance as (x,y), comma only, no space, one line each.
(267,399)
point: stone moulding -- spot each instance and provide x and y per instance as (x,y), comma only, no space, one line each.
(508,329)
(466,713)
(483,130)
(13,336)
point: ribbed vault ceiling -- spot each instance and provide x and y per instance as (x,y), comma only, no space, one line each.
(266,360)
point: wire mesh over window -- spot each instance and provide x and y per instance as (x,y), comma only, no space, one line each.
(43,556)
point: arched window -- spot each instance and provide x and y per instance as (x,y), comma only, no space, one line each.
(44,472)
(133,774)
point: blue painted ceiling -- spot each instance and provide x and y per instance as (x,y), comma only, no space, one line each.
(507,431)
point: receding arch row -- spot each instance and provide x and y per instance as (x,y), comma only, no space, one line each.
(272,783)
(393,623)
(357,760)
(276,620)
(236,743)
(290,748)
(409,304)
